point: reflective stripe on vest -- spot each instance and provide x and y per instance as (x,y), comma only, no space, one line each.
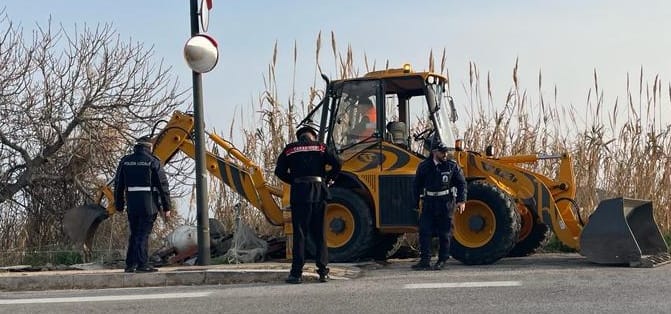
(438,193)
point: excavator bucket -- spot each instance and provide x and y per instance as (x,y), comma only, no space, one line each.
(80,223)
(623,232)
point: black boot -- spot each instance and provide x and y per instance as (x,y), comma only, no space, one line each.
(323,275)
(146,269)
(292,279)
(439,265)
(423,264)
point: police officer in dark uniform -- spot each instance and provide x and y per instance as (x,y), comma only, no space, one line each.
(302,164)
(434,182)
(142,185)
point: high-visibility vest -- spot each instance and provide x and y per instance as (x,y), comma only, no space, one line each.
(371,114)
(371,124)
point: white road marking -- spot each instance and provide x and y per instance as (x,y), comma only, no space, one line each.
(475,284)
(107,298)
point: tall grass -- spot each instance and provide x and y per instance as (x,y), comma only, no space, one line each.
(618,149)
(621,148)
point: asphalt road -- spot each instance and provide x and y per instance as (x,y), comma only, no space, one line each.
(541,284)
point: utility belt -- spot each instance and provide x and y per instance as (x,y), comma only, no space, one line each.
(140,189)
(308,179)
(438,193)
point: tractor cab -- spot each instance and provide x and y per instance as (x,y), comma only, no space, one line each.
(396,106)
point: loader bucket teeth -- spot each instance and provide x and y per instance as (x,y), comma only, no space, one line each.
(80,223)
(623,231)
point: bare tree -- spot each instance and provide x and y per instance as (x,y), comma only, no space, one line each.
(70,102)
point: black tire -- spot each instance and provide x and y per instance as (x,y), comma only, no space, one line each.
(386,245)
(359,245)
(536,239)
(506,227)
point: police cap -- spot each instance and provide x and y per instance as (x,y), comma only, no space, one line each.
(439,146)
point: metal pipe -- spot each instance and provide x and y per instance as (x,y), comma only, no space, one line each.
(202,215)
(516,159)
(555,156)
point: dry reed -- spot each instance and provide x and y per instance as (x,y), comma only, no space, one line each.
(622,150)
(612,155)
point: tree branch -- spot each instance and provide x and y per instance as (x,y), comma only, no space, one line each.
(24,153)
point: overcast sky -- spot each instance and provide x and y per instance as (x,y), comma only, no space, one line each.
(565,39)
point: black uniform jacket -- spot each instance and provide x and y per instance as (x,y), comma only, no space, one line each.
(439,177)
(140,179)
(302,164)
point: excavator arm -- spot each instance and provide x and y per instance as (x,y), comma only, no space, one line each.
(235,170)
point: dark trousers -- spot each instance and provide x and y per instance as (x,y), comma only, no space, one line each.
(308,218)
(435,218)
(138,242)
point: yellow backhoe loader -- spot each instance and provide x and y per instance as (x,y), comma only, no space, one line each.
(510,210)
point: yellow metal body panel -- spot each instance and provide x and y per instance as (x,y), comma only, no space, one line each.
(377,159)
(395,73)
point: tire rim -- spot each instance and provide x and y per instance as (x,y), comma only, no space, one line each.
(527,222)
(339,225)
(474,227)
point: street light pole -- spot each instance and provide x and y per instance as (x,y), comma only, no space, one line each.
(201,179)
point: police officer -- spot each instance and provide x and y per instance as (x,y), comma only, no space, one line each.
(302,164)
(434,181)
(142,185)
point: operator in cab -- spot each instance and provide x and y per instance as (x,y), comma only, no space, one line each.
(141,185)
(367,124)
(302,164)
(436,179)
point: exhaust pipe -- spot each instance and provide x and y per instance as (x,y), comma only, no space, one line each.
(623,231)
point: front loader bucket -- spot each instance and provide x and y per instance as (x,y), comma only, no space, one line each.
(623,232)
(80,223)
